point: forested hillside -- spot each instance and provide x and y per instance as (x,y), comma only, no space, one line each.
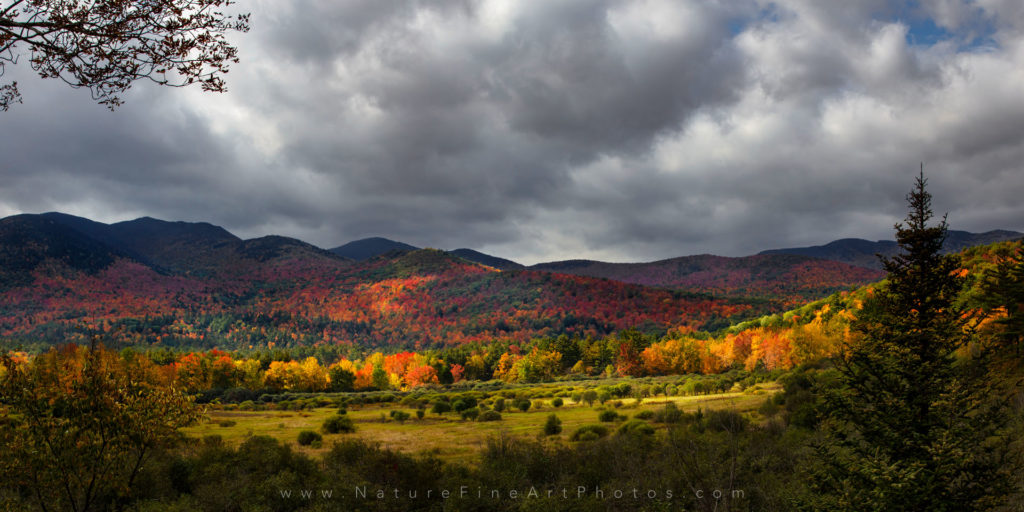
(196,291)
(789,279)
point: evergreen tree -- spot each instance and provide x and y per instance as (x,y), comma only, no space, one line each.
(913,427)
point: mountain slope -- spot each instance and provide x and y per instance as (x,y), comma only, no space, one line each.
(176,246)
(194,285)
(487,259)
(181,248)
(28,241)
(793,279)
(367,248)
(415,299)
(818,329)
(860,252)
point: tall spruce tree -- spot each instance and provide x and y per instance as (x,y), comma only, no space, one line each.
(913,427)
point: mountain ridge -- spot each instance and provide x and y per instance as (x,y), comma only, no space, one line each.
(791,278)
(177,247)
(366,248)
(158,283)
(862,253)
(487,259)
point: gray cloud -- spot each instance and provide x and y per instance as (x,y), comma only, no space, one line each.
(545,130)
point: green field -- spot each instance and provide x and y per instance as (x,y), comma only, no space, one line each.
(448,436)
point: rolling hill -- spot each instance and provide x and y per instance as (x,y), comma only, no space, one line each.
(789,278)
(487,259)
(817,329)
(194,285)
(367,248)
(149,282)
(862,253)
(179,248)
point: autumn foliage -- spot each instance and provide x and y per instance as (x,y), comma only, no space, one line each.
(423,299)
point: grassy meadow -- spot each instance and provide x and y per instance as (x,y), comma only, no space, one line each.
(447,435)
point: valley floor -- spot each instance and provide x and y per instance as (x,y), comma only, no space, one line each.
(448,436)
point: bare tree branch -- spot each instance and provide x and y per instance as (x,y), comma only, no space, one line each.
(107,45)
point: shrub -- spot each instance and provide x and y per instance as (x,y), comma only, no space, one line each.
(307,437)
(400,416)
(589,432)
(607,416)
(419,414)
(635,427)
(470,414)
(553,426)
(440,408)
(499,404)
(523,404)
(226,423)
(726,420)
(644,415)
(489,416)
(338,424)
(557,402)
(670,414)
(463,403)
(769,408)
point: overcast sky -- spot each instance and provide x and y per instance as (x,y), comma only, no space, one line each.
(543,130)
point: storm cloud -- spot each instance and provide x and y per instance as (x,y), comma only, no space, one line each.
(624,131)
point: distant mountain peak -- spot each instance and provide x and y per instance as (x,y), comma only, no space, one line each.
(486,259)
(366,248)
(161,229)
(863,253)
(790,278)
(275,246)
(168,247)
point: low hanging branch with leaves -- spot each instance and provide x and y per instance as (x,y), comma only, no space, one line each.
(107,45)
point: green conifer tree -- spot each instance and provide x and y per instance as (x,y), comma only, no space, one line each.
(913,427)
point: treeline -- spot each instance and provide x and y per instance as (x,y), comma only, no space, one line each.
(629,353)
